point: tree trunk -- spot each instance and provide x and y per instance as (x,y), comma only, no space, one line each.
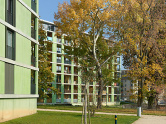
(82,114)
(88,106)
(140,93)
(100,90)
(85,105)
(150,102)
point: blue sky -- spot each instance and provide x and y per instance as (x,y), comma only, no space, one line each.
(47,8)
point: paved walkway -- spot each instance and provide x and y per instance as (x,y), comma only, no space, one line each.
(55,110)
(145,119)
(151,119)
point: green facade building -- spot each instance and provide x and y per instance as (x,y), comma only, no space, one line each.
(18,58)
(66,75)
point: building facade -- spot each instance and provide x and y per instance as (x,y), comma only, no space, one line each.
(128,87)
(66,73)
(18,58)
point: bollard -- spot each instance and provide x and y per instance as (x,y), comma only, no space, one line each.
(115,119)
(139,111)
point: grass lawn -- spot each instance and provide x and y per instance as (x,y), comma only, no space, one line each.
(44,117)
(110,109)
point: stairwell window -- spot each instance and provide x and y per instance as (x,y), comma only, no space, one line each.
(10,45)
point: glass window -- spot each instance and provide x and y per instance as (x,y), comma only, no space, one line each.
(10,11)
(10,45)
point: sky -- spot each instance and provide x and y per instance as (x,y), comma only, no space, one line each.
(47,8)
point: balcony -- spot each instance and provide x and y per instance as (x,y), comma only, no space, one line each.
(75,100)
(58,51)
(75,82)
(49,38)
(104,92)
(68,82)
(67,71)
(67,100)
(75,91)
(58,60)
(58,100)
(33,61)
(58,71)
(117,61)
(58,40)
(9,17)
(33,33)
(67,62)
(67,91)
(33,5)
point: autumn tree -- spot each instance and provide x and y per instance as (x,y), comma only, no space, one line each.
(86,22)
(141,22)
(45,76)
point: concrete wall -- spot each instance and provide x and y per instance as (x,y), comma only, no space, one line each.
(14,108)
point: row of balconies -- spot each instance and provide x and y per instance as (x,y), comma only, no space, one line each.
(67,100)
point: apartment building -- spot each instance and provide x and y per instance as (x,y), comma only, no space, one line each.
(18,58)
(128,87)
(67,78)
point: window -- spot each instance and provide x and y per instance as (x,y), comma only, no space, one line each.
(33,85)
(9,78)
(10,45)
(33,58)
(33,5)
(10,12)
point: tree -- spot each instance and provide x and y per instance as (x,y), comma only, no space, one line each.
(45,74)
(86,22)
(140,25)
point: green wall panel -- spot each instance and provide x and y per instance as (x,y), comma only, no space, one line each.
(27,2)
(2,77)
(22,79)
(2,40)
(23,50)
(23,19)
(2,9)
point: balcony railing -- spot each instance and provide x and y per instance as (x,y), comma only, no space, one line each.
(67,71)
(33,33)
(58,100)
(58,60)
(9,17)
(67,62)
(75,100)
(67,81)
(67,100)
(33,5)
(33,61)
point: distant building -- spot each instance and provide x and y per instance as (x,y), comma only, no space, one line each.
(128,87)
(66,75)
(18,58)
